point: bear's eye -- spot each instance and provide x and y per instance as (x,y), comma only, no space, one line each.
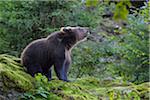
(80,29)
(67,30)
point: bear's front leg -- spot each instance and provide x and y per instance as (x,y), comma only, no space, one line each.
(67,61)
(59,67)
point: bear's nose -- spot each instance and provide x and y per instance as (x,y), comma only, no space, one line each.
(88,30)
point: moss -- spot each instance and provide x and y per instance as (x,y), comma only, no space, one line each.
(82,89)
(144,90)
(91,88)
(13,75)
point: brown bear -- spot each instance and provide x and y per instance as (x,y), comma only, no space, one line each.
(41,54)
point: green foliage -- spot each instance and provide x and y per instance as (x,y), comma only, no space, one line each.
(133,50)
(92,3)
(125,55)
(41,81)
(23,21)
(41,91)
(121,11)
(86,60)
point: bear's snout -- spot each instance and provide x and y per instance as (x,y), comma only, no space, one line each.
(86,32)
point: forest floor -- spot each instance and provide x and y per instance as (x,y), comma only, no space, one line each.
(16,84)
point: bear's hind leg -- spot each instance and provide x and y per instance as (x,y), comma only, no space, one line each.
(48,74)
(34,69)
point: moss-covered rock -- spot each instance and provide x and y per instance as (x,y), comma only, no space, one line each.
(86,89)
(13,75)
(22,86)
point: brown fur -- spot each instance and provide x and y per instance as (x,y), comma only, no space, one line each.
(41,54)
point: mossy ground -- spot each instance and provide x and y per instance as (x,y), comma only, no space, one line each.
(13,76)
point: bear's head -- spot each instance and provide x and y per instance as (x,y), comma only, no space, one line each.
(78,32)
(72,35)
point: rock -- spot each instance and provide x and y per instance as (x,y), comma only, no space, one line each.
(2,97)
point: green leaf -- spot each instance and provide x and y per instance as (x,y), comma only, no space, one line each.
(91,3)
(121,11)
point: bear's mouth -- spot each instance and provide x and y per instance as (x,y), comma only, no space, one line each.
(82,36)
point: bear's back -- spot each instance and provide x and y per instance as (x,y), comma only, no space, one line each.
(36,51)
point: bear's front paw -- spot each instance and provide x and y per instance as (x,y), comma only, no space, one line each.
(65,80)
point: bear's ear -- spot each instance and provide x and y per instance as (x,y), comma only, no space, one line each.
(65,29)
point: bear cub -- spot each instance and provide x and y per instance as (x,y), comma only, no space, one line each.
(40,55)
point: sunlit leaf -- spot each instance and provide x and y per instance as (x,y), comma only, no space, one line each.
(91,3)
(121,11)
